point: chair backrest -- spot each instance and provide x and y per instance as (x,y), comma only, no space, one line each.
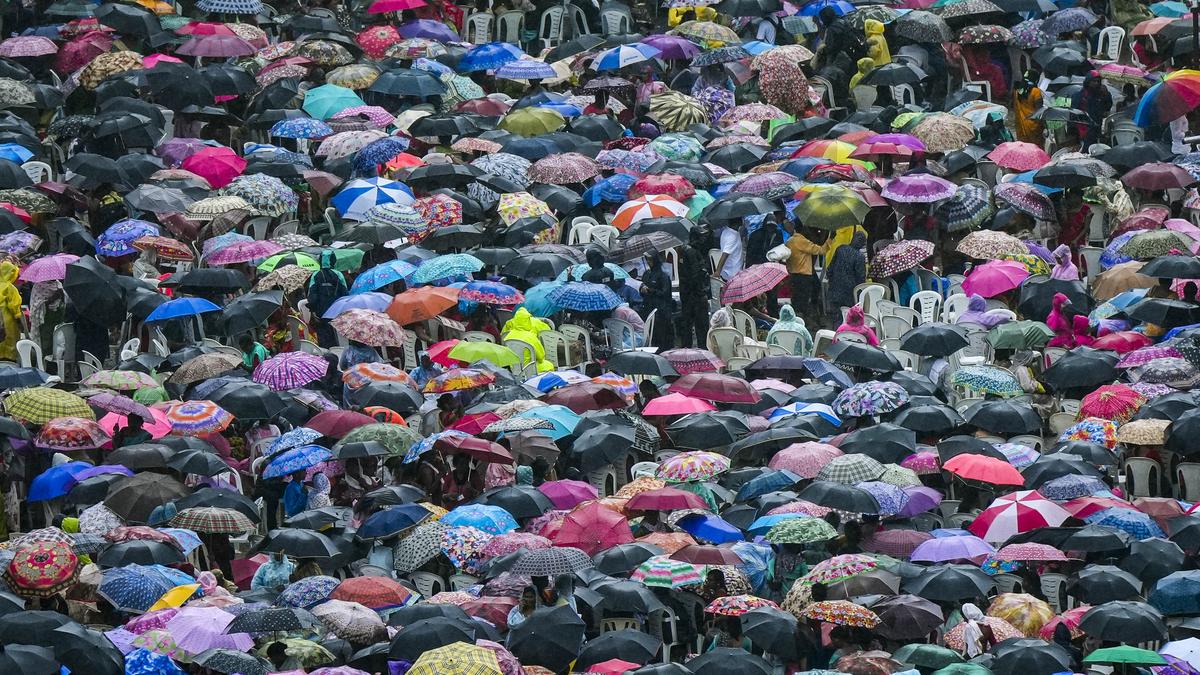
(38,172)
(615,22)
(790,340)
(309,347)
(1054,587)
(526,358)
(751,351)
(977,345)
(509,26)
(257,227)
(714,257)
(30,354)
(928,303)
(821,341)
(867,295)
(1091,261)
(1127,134)
(671,258)
(302,307)
(580,335)
(1109,43)
(550,25)
(1142,476)
(428,584)
(737,362)
(621,334)
(289,227)
(926,522)
(743,322)
(648,327)
(850,336)
(581,230)
(1070,405)
(477,29)
(1007,583)
(883,307)
(953,306)
(461,582)
(1053,354)
(605,235)
(724,341)
(410,349)
(619,623)
(823,88)
(130,349)
(1028,440)
(478,336)
(907,359)
(582,27)
(894,326)
(864,96)
(1060,422)
(555,345)
(1188,481)
(903,94)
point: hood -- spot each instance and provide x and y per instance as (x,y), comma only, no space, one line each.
(522,320)
(855,317)
(1062,254)
(1080,324)
(865,65)
(8,272)
(873,27)
(977,303)
(1058,301)
(786,313)
(859,240)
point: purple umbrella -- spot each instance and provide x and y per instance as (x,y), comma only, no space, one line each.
(672,47)
(103,469)
(121,405)
(218,46)
(952,548)
(376,302)
(891,498)
(244,251)
(176,150)
(907,140)
(426,28)
(49,268)
(920,500)
(918,189)
(1036,248)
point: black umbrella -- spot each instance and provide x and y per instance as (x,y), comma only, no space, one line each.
(707,430)
(93,288)
(248,400)
(225,499)
(601,446)
(231,661)
(396,396)
(1153,559)
(1006,418)
(1056,465)
(403,616)
(560,198)
(128,19)
(12,175)
(135,497)
(855,354)
(1185,531)
(1082,368)
(83,650)
(1037,295)
(1172,267)
(522,501)
(804,129)
(729,661)
(624,596)
(737,206)
(950,583)
(596,128)
(773,631)
(637,362)
(1092,453)
(1136,154)
(1164,312)
(204,279)
(676,226)
(663,669)
(13,377)
(633,646)
(408,82)
(198,462)
(1094,538)
(840,496)
(320,518)
(736,157)
(1124,621)
(273,620)
(766,443)
(893,74)
(929,419)
(624,558)
(906,617)
(934,339)
(92,490)
(1098,584)
(1167,407)
(300,543)
(28,660)
(141,552)
(550,637)
(1023,656)
(884,442)
(250,311)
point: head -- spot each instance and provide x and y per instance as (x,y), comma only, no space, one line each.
(1092,81)
(277,653)
(298,476)
(528,599)
(564,584)
(971,612)
(595,259)
(246,342)
(1058,301)
(445,402)
(865,65)
(828,15)
(786,313)
(653,260)
(855,317)
(873,27)
(977,303)
(426,362)
(135,423)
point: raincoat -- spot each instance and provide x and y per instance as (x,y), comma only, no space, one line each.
(525,328)
(10,304)
(865,66)
(1064,269)
(1056,320)
(877,46)
(789,321)
(856,322)
(977,312)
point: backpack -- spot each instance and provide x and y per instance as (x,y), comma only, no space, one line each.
(325,286)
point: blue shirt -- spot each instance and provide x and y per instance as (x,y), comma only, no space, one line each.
(295,498)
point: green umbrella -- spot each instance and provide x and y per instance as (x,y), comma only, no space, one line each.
(470,352)
(532,121)
(1126,654)
(1020,335)
(831,208)
(302,260)
(927,656)
(397,439)
(963,669)
(328,100)
(801,531)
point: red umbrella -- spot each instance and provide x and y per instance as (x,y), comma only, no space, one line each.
(1115,402)
(592,528)
(1122,342)
(662,184)
(984,470)
(752,282)
(484,106)
(81,51)
(1161,509)
(699,554)
(612,667)
(586,396)
(715,387)
(665,499)
(1158,176)
(475,424)
(219,166)
(479,448)
(492,609)
(1082,507)
(439,353)
(1071,618)
(373,592)
(1019,156)
(338,423)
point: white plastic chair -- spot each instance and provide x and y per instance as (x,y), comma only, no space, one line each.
(1142,476)
(621,334)
(478,336)
(605,235)
(477,28)
(982,86)
(1109,44)
(1091,261)
(38,172)
(615,22)
(724,341)
(581,229)
(509,26)
(743,322)
(428,584)
(850,336)
(1187,476)
(554,344)
(953,306)
(526,365)
(550,26)
(867,295)
(580,336)
(928,304)
(29,354)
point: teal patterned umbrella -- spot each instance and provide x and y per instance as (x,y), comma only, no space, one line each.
(987,380)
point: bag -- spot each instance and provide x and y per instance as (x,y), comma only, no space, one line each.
(779,254)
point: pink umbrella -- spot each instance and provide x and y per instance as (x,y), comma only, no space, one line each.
(159,428)
(804,459)
(27,45)
(385,6)
(995,277)
(79,52)
(218,166)
(244,251)
(50,268)
(777,385)
(899,139)
(593,528)
(918,189)
(676,404)
(1184,227)
(289,370)
(196,629)
(567,494)
(217,46)
(1019,156)
(155,59)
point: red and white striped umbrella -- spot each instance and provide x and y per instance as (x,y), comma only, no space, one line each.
(753,281)
(1015,513)
(647,206)
(290,370)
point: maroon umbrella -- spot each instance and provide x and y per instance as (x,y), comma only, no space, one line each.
(79,52)
(699,554)
(219,46)
(665,499)
(1158,176)
(338,423)
(479,448)
(715,387)
(586,396)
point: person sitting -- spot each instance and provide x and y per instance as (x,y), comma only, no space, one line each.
(977,312)
(131,434)
(788,321)
(253,352)
(856,322)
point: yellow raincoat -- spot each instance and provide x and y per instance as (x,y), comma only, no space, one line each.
(865,66)
(877,46)
(525,328)
(10,305)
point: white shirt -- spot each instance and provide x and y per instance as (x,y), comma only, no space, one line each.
(731,243)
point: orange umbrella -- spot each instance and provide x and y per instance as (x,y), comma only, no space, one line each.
(419,304)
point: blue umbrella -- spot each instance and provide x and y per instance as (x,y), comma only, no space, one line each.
(526,69)
(301,127)
(828,373)
(1177,593)
(55,481)
(537,298)
(582,296)
(1072,486)
(793,409)
(296,459)
(293,439)
(710,528)
(117,240)
(1169,8)
(490,519)
(379,152)
(307,592)
(359,196)
(613,189)
(134,588)
(426,444)
(373,301)
(763,524)
(563,418)
(564,109)
(756,47)
(577,272)
(801,166)
(1028,177)
(15,153)
(489,56)
(624,55)
(770,480)
(1136,523)
(814,8)
(188,540)
(392,520)
(446,266)
(182,307)
(381,275)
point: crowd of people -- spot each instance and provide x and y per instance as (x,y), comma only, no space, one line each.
(524,338)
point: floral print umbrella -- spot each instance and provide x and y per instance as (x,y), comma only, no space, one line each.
(1029,35)
(870,398)
(42,570)
(990,245)
(1027,199)
(987,380)
(693,467)
(71,433)
(737,605)
(800,531)
(900,256)
(943,132)
(564,169)
(984,34)
(101,67)
(841,613)
(1093,430)
(840,568)
(1002,629)
(464,546)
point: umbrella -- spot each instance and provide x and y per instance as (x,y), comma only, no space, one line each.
(550,637)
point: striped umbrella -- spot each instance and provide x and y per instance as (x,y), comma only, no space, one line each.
(649,206)
(663,572)
(198,418)
(1015,513)
(290,370)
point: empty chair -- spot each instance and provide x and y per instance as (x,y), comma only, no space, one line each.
(29,354)
(477,29)
(1188,480)
(1142,476)
(1060,422)
(509,26)
(724,341)
(550,28)
(928,304)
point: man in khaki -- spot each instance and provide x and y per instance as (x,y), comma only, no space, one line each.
(805,285)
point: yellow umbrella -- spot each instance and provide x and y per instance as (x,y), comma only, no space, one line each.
(458,658)
(517,205)
(1025,612)
(175,597)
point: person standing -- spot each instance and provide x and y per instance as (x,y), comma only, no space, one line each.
(656,295)
(695,289)
(806,287)
(733,253)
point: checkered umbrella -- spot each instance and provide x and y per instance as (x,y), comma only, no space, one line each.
(42,404)
(582,296)
(458,658)
(850,469)
(753,281)
(213,520)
